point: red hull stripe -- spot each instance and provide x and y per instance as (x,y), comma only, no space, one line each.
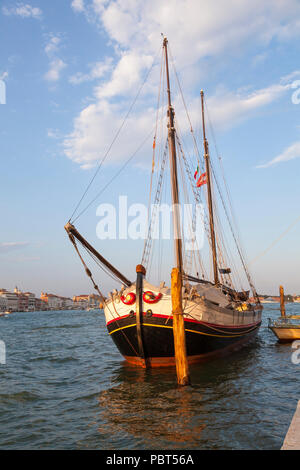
(190,321)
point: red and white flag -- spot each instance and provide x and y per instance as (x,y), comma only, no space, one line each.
(202,180)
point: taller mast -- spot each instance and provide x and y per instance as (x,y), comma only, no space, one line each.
(209,194)
(173,168)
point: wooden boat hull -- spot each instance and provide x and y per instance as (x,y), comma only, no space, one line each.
(204,341)
(147,340)
(286,335)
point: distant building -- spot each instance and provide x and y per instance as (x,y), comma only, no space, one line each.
(40,305)
(81,301)
(56,302)
(22,302)
(3,304)
(94,301)
(67,303)
(19,301)
(31,301)
(269,300)
(11,299)
(53,301)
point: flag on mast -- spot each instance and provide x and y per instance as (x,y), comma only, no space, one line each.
(202,180)
(196,172)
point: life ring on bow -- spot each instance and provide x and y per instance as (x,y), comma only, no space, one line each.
(150,298)
(129,299)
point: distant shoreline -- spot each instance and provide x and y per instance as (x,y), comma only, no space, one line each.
(55,310)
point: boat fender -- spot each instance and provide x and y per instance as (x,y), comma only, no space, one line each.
(150,298)
(129,299)
(131,313)
(149,313)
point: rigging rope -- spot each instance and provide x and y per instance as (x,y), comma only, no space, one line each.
(276,240)
(116,175)
(89,274)
(148,241)
(232,232)
(184,104)
(155,134)
(115,137)
(189,258)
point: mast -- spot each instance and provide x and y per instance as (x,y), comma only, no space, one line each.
(282,306)
(173,168)
(209,194)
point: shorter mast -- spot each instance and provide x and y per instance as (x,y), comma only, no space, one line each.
(209,194)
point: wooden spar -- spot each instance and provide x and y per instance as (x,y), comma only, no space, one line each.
(72,232)
(173,168)
(182,367)
(282,306)
(209,194)
(140,273)
(176,276)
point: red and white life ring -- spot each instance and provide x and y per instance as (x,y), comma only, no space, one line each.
(150,298)
(129,299)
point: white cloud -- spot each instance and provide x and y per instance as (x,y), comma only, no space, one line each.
(96,125)
(196,30)
(97,70)
(78,5)
(126,75)
(95,128)
(53,133)
(227,108)
(56,67)
(23,10)
(290,153)
(53,45)
(5,247)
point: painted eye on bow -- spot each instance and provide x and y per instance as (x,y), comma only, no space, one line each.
(129,299)
(150,298)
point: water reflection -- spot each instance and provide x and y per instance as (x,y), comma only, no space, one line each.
(148,406)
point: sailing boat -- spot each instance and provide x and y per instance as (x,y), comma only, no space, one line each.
(218,319)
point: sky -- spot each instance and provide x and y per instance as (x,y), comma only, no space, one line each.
(71,70)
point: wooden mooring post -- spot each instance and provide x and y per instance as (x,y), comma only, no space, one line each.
(282,306)
(182,367)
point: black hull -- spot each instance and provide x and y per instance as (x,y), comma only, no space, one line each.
(204,341)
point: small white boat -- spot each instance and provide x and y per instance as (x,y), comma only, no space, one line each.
(287,327)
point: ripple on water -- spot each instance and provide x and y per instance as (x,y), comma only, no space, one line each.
(66,386)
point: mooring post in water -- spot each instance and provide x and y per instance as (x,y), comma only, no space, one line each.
(282,307)
(182,367)
(140,273)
